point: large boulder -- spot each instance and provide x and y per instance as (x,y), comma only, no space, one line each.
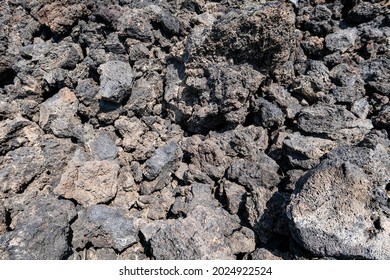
(340,209)
(41,231)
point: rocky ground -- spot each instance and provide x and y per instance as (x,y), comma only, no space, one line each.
(193,129)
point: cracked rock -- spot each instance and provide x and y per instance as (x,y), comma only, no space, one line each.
(104,227)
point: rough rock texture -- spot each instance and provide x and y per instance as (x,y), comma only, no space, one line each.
(206,233)
(40,232)
(192,129)
(341,208)
(116,79)
(104,227)
(90,182)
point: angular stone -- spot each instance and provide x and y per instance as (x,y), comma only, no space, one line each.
(341,40)
(41,232)
(103,147)
(17,132)
(263,173)
(270,115)
(61,17)
(235,196)
(89,182)
(242,241)
(104,227)
(306,151)
(201,235)
(58,113)
(200,194)
(157,204)
(206,155)
(86,91)
(164,158)
(334,121)
(17,170)
(116,80)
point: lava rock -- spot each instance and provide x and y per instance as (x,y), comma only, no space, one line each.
(104,227)
(164,158)
(116,80)
(42,231)
(201,235)
(262,173)
(334,121)
(341,40)
(17,132)
(305,152)
(198,194)
(58,113)
(337,209)
(89,182)
(103,147)
(61,17)
(17,172)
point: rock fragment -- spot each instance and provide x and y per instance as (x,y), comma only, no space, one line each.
(334,121)
(58,113)
(163,159)
(89,182)
(341,40)
(116,80)
(338,209)
(104,227)
(305,152)
(41,232)
(201,235)
(16,170)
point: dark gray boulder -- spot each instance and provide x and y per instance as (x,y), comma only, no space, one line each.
(41,231)
(104,227)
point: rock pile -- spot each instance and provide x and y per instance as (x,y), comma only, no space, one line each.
(194,129)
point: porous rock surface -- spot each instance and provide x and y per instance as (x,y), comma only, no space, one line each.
(194,129)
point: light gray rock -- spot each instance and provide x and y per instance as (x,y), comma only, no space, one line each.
(206,156)
(158,204)
(58,114)
(116,80)
(17,132)
(270,115)
(102,147)
(305,151)
(341,40)
(235,195)
(201,235)
(340,208)
(334,121)
(17,170)
(242,241)
(199,194)
(263,173)
(361,108)
(164,158)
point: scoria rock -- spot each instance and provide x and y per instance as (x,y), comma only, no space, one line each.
(339,209)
